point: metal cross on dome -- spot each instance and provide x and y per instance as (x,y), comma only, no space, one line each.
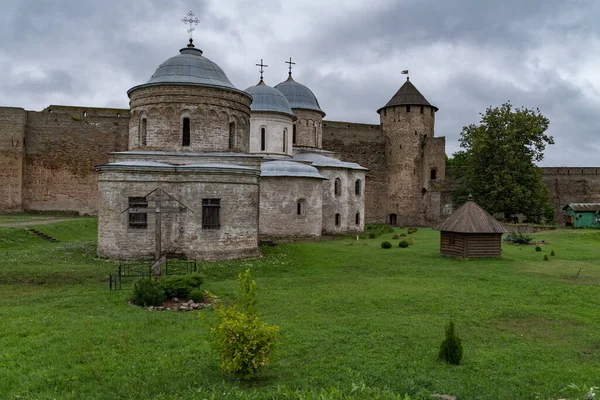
(261,65)
(189,19)
(290,65)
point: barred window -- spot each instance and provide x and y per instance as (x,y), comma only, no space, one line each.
(137,220)
(210,213)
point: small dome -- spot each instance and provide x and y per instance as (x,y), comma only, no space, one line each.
(266,98)
(298,95)
(289,168)
(189,68)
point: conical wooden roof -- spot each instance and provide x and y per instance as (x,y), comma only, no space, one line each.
(470,218)
(408,95)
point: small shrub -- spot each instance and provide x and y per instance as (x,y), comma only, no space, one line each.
(552,253)
(181,286)
(518,238)
(395,237)
(412,230)
(451,350)
(196,295)
(538,248)
(403,235)
(403,244)
(410,240)
(148,292)
(386,245)
(246,299)
(372,235)
(546,257)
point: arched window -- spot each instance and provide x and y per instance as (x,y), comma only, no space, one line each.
(263,139)
(285,140)
(294,134)
(143,131)
(357,219)
(316,136)
(338,219)
(185,132)
(231,135)
(357,187)
(337,188)
(433,175)
(393,219)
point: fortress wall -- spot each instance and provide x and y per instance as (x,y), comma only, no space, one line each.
(62,147)
(363,144)
(12,134)
(571,185)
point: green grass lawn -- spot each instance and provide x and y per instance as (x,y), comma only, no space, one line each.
(356,321)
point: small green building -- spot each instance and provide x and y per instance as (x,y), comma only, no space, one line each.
(582,215)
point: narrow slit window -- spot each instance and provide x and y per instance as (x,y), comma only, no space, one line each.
(433,175)
(138,219)
(407,108)
(284,140)
(294,134)
(357,187)
(144,132)
(337,189)
(263,139)
(231,135)
(422,109)
(186,132)
(210,213)
(338,219)
(357,219)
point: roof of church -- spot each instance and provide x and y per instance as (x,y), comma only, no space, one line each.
(471,218)
(298,95)
(320,160)
(268,99)
(189,67)
(289,168)
(407,95)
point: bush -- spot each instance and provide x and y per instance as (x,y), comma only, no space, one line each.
(538,248)
(148,292)
(386,245)
(552,253)
(410,240)
(181,286)
(197,295)
(395,237)
(244,343)
(403,244)
(518,238)
(451,350)
(376,230)
(403,235)
(412,230)
(546,257)
(372,235)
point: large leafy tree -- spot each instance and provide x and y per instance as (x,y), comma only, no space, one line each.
(497,164)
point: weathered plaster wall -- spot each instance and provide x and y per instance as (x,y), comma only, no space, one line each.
(279,197)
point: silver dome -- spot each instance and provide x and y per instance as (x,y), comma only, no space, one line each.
(298,95)
(289,168)
(189,68)
(266,98)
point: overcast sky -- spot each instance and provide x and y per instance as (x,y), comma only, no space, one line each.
(463,55)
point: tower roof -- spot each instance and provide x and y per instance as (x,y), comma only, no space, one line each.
(298,95)
(189,67)
(408,95)
(471,218)
(268,99)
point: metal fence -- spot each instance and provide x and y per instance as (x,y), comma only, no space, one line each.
(127,273)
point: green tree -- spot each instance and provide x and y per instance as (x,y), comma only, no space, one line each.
(497,163)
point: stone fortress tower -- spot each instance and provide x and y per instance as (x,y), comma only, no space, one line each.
(414,158)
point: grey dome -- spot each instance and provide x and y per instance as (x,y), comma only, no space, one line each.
(266,98)
(289,168)
(189,68)
(298,95)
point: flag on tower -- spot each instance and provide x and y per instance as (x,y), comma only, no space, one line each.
(405,72)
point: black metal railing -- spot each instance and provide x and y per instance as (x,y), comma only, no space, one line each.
(128,272)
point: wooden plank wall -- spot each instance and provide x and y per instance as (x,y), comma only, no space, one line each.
(484,245)
(456,249)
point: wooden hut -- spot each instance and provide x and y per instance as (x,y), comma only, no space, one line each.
(582,215)
(471,232)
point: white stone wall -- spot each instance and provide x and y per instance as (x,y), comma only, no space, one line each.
(279,197)
(347,203)
(274,125)
(181,233)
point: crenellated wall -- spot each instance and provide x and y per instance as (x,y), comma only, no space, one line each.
(571,185)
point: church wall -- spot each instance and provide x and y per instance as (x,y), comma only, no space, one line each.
(346,203)
(355,202)
(363,144)
(12,138)
(309,128)
(244,160)
(275,125)
(210,112)
(279,198)
(182,233)
(62,148)
(571,185)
